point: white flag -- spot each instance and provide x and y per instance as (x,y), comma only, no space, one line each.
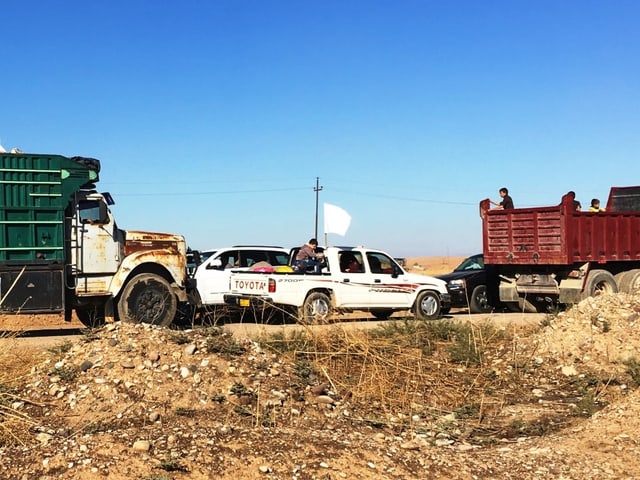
(336,220)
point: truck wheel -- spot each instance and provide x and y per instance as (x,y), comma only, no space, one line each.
(147,298)
(479,302)
(521,306)
(91,316)
(630,281)
(599,282)
(382,313)
(427,306)
(315,309)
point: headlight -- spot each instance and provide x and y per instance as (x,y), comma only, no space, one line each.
(456,284)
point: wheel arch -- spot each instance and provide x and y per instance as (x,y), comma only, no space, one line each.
(121,279)
(327,291)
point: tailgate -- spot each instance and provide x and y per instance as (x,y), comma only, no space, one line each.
(249,284)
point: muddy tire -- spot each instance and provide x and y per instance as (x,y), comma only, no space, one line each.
(599,282)
(479,301)
(147,298)
(427,306)
(315,309)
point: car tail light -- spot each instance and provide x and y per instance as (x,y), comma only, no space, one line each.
(272,285)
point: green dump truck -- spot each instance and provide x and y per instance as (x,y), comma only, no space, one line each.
(60,248)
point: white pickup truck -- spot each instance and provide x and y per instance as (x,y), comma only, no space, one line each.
(351,279)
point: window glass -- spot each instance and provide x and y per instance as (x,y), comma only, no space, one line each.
(380,263)
(230,259)
(251,257)
(350,262)
(279,258)
(89,211)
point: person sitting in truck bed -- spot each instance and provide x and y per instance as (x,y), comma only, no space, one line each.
(307,258)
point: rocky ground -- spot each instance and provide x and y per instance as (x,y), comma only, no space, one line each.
(558,401)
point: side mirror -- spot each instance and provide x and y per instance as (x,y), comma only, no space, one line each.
(215,263)
(104,213)
(396,272)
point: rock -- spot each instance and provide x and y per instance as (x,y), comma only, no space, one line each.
(44,438)
(127,364)
(319,389)
(190,349)
(86,365)
(142,445)
(326,399)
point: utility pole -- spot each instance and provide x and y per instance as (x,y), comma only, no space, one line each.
(317,189)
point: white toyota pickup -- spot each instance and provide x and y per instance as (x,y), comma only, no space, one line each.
(351,279)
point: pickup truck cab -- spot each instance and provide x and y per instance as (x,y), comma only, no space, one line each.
(352,278)
(212,275)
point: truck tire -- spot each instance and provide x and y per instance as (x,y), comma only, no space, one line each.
(521,306)
(147,298)
(427,306)
(91,316)
(315,309)
(479,302)
(599,282)
(630,281)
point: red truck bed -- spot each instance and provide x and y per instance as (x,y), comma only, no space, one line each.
(559,235)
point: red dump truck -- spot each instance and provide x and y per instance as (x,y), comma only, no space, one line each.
(542,256)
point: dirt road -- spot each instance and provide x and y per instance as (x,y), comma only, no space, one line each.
(51,334)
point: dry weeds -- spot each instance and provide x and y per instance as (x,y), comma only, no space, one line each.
(445,383)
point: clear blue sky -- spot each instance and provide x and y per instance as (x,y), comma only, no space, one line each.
(213,118)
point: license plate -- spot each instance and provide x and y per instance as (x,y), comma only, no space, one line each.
(244,302)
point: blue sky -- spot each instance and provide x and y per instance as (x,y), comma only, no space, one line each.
(213,118)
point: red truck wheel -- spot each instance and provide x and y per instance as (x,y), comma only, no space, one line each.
(147,298)
(599,282)
(521,306)
(630,281)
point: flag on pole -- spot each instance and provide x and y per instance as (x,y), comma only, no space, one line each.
(336,220)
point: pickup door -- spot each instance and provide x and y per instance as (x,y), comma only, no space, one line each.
(369,281)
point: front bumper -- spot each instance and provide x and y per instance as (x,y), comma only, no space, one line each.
(445,301)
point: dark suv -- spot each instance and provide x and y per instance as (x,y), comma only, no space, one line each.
(467,285)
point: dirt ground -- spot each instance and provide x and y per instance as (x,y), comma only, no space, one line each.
(559,400)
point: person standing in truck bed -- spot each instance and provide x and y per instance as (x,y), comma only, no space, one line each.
(507,201)
(595,206)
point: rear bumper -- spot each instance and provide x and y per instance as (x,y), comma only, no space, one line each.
(245,301)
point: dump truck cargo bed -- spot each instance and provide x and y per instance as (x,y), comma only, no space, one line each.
(559,235)
(34,193)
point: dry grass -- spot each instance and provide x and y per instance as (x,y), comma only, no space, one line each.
(15,364)
(404,367)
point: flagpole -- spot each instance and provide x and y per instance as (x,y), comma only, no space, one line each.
(317,189)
